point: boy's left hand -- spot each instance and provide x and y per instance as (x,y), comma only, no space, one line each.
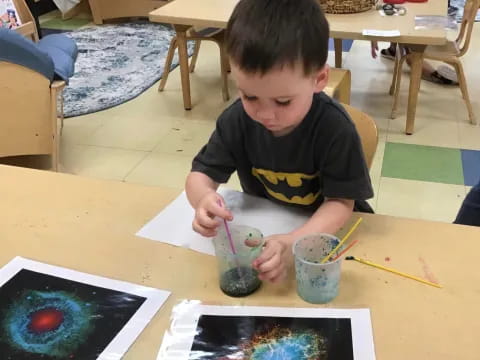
(273,261)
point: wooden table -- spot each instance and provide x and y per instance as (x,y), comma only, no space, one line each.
(215,13)
(89,225)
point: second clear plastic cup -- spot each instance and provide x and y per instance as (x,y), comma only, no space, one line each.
(316,283)
(237,276)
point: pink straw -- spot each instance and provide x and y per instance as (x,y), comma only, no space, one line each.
(227,230)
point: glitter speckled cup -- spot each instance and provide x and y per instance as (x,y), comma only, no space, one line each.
(237,276)
(316,283)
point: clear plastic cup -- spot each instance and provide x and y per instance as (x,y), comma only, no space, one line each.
(316,283)
(237,275)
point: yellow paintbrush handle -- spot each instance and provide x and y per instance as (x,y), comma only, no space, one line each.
(366,262)
(345,238)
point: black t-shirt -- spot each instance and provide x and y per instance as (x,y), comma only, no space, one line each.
(321,157)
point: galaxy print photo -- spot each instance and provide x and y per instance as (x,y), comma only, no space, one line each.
(51,313)
(268,333)
(272,338)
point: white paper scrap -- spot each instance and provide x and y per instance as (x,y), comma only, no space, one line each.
(173,225)
(381,33)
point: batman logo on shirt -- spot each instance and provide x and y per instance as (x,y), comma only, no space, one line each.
(292,188)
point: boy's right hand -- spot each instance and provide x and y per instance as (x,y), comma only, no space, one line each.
(210,206)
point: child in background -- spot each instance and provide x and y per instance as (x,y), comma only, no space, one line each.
(287,140)
(469,213)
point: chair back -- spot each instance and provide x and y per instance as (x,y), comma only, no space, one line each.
(27,124)
(464,36)
(367,129)
(28,27)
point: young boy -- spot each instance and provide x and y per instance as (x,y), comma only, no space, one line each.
(287,140)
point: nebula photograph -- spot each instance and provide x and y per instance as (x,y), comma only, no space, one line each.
(52,318)
(272,338)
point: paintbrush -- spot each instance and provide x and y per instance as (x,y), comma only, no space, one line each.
(378,266)
(345,238)
(345,250)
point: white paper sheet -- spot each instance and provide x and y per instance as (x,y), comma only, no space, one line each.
(115,350)
(381,33)
(174,224)
(66,5)
(178,340)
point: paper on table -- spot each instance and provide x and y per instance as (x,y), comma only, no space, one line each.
(381,33)
(174,224)
(82,287)
(178,339)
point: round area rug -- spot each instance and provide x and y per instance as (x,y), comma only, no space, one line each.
(116,63)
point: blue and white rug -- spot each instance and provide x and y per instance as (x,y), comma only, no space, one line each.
(116,63)
(460,4)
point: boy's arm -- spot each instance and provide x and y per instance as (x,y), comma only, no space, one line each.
(208,204)
(212,166)
(329,218)
(197,186)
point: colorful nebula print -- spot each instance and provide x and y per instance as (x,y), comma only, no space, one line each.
(49,323)
(50,318)
(272,338)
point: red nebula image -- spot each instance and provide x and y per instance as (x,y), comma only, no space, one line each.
(45,320)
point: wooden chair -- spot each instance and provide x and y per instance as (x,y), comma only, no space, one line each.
(367,129)
(449,53)
(28,27)
(114,9)
(339,85)
(29,116)
(29,101)
(212,34)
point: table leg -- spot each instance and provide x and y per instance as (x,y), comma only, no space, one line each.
(337,44)
(96,12)
(415,79)
(181,31)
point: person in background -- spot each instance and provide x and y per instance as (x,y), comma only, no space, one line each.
(441,76)
(469,213)
(444,75)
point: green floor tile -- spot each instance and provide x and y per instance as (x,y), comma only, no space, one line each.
(70,24)
(424,163)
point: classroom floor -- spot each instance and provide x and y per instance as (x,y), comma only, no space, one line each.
(151,140)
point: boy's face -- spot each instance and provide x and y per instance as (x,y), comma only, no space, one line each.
(281,98)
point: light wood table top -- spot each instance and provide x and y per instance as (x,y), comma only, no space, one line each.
(215,13)
(89,225)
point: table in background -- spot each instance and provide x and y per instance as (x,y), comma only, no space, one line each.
(184,14)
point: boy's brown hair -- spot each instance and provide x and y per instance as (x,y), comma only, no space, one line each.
(264,34)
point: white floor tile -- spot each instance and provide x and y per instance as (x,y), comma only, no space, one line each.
(161,170)
(99,162)
(418,199)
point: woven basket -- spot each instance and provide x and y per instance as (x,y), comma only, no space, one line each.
(346,6)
